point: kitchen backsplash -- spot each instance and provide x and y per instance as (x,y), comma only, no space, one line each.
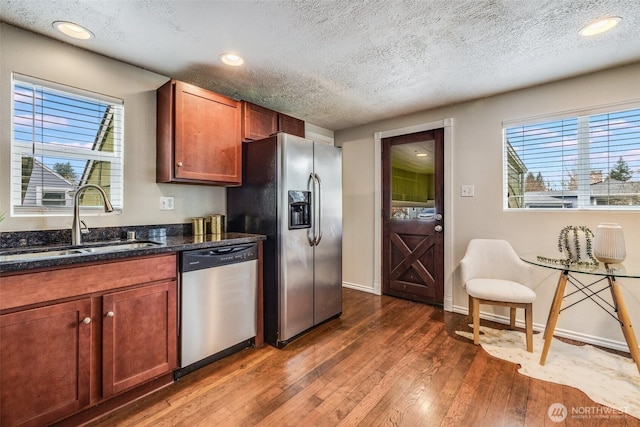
(20,239)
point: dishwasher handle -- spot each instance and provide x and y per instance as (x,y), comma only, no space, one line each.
(227,250)
(216,257)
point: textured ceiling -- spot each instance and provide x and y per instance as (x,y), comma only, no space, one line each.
(342,63)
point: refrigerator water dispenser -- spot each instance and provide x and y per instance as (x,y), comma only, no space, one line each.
(299,209)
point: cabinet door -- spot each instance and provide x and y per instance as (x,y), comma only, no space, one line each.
(290,125)
(258,122)
(207,136)
(44,363)
(139,336)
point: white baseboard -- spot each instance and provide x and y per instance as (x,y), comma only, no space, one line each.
(564,333)
(590,339)
(377,287)
(448,303)
(496,318)
(358,287)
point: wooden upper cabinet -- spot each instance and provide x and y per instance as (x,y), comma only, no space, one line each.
(259,122)
(198,136)
(290,125)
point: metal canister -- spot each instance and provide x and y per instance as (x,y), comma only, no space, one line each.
(216,224)
(198,226)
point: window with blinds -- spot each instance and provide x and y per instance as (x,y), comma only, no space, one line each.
(588,161)
(64,138)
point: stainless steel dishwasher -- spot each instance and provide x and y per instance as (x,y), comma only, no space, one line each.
(218,312)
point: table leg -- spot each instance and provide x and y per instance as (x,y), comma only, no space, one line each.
(554,312)
(625,321)
(558,294)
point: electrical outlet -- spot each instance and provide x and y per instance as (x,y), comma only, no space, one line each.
(166,203)
(467,191)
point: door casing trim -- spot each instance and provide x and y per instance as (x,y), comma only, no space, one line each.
(449,229)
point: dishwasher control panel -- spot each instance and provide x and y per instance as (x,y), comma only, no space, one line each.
(215,257)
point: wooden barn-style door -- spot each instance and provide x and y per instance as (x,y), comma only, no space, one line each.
(413,216)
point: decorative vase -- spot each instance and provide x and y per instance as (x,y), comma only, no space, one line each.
(609,243)
(577,253)
(575,243)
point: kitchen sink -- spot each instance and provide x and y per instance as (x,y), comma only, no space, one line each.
(119,247)
(115,247)
(39,255)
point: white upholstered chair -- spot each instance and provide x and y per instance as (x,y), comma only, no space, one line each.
(493,274)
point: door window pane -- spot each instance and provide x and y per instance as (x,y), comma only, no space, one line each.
(412,180)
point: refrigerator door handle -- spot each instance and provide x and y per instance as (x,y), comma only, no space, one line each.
(319,215)
(312,235)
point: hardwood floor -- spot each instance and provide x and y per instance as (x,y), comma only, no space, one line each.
(385,362)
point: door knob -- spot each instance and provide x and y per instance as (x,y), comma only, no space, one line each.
(438,228)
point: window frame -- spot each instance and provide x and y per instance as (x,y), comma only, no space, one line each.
(582,117)
(39,150)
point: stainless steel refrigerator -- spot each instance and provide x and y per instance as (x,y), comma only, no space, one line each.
(292,193)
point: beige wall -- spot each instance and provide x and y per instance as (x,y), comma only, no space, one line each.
(476,134)
(475,157)
(358,246)
(44,58)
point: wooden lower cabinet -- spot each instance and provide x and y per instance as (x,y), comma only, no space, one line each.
(59,359)
(45,356)
(138,336)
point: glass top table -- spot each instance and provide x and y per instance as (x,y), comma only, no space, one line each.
(629,268)
(600,273)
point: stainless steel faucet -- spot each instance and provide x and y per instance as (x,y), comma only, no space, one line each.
(76,234)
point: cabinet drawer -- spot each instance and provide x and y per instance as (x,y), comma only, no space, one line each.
(49,285)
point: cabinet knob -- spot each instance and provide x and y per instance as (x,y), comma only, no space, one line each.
(179,164)
(110,314)
(86,320)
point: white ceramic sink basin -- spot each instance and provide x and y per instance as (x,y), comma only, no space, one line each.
(27,256)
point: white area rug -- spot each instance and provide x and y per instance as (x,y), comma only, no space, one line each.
(606,378)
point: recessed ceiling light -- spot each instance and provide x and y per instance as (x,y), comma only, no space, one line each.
(599,26)
(73,30)
(231,59)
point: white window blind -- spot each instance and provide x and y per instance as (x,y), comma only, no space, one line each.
(588,161)
(63,138)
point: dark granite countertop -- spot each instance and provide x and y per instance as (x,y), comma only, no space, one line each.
(164,245)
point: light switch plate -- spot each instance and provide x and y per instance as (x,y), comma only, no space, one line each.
(166,203)
(467,191)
